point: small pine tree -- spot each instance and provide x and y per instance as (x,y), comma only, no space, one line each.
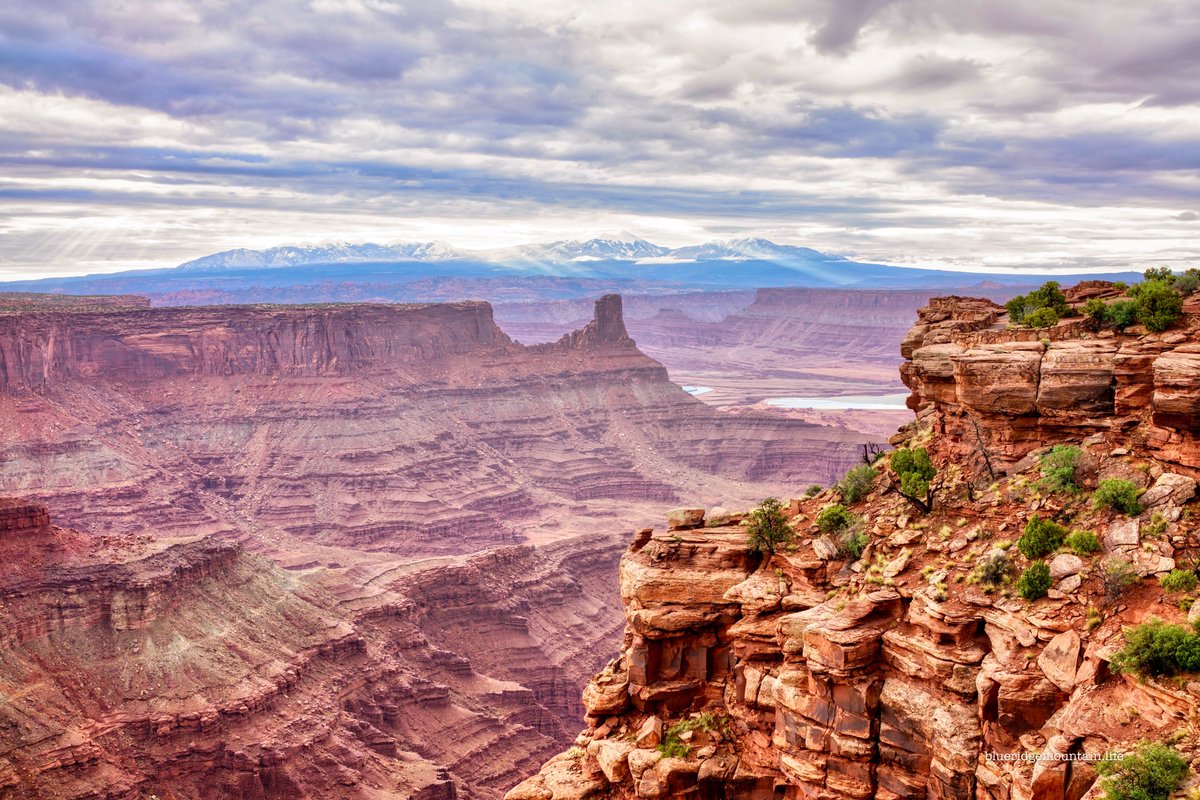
(768,527)
(915,470)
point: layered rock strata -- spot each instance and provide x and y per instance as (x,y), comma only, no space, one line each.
(415,429)
(194,669)
(901,673)
(968,372)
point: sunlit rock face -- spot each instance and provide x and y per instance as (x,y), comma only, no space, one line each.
(329,551)
(813,672)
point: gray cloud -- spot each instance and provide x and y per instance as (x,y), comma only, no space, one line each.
(930,125)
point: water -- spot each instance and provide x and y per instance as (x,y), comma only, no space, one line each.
(885,402)
(695,390)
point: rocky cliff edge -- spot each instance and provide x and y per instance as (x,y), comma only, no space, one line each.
(900,673)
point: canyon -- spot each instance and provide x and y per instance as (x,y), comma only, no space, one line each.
(898,671)
(329,551)
(417,430)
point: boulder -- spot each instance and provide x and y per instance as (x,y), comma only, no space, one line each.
(897,564)
(1069,584)
(613,758)
(825,548)
(650,733)
(642,759)
(1065,564)
(606,695)
(758,593)
(717,769)
(1169,488)
(679,519)
(719,516)
(1059,661)
(1122,533)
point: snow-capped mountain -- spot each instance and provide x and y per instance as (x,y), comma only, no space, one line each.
(323,253)
(566,252)
(750,249)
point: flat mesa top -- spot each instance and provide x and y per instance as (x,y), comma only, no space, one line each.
(16,502)
(17,303)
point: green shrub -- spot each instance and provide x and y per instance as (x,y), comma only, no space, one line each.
(1035,581)
(1083,543)
(768,527)
(834,518)
(1121,314)
(915,469)
(1152,772)
(1188,282)
(673,747)
(992,569)
(853,543)
(1042,318)
(1154,649)
(1119,495)
(1117,575)
(1024,309)
(1159,306)
(1018,308)
(1060,465)
(1178,580)
(1042,537)
(857,482)
(1094,310)
(813,490)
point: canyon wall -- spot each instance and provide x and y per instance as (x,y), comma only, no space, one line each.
(749,346)
(1021,389)
(328,552)
(412,429)
(820,673)
(196,670)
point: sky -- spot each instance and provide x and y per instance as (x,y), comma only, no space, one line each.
(943,133)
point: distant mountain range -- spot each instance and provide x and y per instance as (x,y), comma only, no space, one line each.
(435,271)
(564,252)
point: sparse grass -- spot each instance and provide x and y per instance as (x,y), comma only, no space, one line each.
(992,570)
(1156,527)
(1117,575)
(852,544)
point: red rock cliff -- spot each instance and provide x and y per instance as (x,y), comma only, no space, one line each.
(900,673)
(1023,388)
(42,349)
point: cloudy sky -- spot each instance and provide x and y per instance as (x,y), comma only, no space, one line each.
(932,132)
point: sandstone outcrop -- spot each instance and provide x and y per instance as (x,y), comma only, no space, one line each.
(904,673)
(1014,390)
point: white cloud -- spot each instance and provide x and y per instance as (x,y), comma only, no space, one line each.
(937,132)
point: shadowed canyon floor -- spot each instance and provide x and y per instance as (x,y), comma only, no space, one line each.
(267,582)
